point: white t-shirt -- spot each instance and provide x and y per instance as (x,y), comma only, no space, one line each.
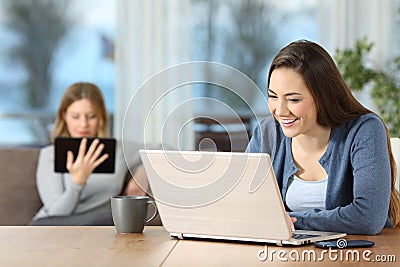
(304,195)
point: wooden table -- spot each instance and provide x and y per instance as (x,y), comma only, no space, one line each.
(103,246)
(82,246)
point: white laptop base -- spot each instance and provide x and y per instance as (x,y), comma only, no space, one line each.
(222,196)
(300,237)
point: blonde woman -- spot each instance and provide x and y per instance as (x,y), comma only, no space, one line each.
(80,197)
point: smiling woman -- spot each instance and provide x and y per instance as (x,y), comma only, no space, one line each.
(320,133)
(292,104)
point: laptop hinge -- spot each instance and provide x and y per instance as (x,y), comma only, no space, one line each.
(279,243)
(177,235)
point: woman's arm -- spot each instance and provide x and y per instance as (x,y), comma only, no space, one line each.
(57,199)
(370,167)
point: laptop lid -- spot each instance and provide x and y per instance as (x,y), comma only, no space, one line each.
(222,195)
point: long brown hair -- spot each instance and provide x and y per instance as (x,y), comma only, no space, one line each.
(335,104)
(78,91)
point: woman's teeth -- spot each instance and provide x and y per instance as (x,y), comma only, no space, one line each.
(288,122)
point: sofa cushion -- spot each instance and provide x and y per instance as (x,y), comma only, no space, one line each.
(20,200)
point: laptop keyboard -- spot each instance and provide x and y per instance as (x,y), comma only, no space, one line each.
(301,236)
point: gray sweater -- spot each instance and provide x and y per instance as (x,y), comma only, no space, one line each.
(357,163)
(61,196)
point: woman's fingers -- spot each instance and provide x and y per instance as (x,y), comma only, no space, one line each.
(86,161)
(92,154)
(96,154)
(93,157)
(82,149)
(70,160)
(92,149)
(100,160)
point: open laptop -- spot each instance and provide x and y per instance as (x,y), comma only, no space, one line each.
(222,195)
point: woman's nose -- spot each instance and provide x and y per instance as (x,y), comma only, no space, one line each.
(84,121)
(281,108)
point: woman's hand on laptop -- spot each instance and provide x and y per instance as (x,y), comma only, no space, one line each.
(291,221)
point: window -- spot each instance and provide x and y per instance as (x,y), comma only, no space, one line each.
(152,35)
(71,41)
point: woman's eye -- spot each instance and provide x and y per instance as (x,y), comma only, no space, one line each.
(91,116)
(272,96)
(294,100)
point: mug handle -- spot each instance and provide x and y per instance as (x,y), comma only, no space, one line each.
(155,212)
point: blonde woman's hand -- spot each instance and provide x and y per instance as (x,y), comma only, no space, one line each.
(85,163)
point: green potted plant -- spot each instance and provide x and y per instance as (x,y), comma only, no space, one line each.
(359,73)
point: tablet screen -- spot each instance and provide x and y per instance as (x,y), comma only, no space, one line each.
(64,144)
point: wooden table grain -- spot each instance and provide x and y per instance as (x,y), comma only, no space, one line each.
(82,246)
(103,246)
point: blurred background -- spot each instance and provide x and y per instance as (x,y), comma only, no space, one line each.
(118,45)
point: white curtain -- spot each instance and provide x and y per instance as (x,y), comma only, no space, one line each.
(342,22)
(151,36)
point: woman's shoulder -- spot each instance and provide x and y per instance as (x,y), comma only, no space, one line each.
(371,117)
(365,127)
(47,153)
(47,149)
(368,122)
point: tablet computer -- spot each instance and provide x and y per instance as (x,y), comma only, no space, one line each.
(64,144)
